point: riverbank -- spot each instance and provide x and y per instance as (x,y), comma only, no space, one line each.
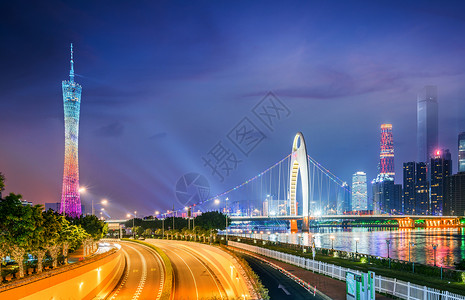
(453,281)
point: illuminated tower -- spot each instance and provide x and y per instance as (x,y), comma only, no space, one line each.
(386,155)
(461,152)
(70,198)
(427,123)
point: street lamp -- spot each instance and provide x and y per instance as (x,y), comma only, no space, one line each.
(410,244)
(356,244)
(82,190)
(434,249)
(163,225)
(226,211)
(332,242)
(388,242)
(129,215)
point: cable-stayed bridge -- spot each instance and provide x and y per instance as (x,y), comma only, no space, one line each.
(297,187)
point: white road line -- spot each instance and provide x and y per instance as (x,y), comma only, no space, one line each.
(202,263)
(162,270)
(125,276)
(141,285)
(195,282)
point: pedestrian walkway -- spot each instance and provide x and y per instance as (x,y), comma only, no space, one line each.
(333,288)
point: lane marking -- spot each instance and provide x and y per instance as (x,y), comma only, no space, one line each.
(125,276)
(195,282)
(214,277)
(159,261)
(141,285)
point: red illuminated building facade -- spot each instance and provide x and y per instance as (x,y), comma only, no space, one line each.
(386,156)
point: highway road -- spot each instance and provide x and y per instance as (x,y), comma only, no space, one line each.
(279,285)
(144,275)
(204,272)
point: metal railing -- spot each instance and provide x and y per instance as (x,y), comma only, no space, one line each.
(391,286)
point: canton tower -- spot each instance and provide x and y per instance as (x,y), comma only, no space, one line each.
(70,197)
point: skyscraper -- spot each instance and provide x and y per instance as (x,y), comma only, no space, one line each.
(343,199)
(409,187)
(387,196)
(461,152)
(421,189)
(359,191)
(386,155)
(70,197)
(441,168)
(454,195)
(427,123)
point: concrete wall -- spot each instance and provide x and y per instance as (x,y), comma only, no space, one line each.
(96,278)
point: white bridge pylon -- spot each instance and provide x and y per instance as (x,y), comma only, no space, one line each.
(299,166)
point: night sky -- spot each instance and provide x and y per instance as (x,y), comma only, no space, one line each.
(164,82)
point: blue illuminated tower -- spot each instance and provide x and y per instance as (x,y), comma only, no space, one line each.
(70,197)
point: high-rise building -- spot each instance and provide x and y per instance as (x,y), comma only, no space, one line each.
(454,196)
(343,199)
(387,196)
(441,167)
(359,192)
(70,197)
(409,169)
(422,189)
(427,123)
(386,155)
(461,152)
(416,189)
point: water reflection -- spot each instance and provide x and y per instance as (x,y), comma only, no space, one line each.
(451,242)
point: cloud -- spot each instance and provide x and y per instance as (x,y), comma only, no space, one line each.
(114,129)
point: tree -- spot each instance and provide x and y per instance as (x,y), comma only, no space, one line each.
(17,224)
(92,225)
(40,239)
(138,230)
(147,232)
(2,183)
(212,220)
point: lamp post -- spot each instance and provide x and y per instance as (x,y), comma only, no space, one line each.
(133,234)
(388,242)
(410,244)
(434,250)
(226,211)
(356,244)
(332,242)
(83,190)
(163,226)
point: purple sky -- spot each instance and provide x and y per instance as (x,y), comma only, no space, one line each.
(163,83)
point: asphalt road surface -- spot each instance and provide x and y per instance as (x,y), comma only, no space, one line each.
(279,285)
(144,275)
(203,272)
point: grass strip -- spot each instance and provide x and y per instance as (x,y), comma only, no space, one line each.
(257,284)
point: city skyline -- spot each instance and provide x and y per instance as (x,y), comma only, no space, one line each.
(150,102)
